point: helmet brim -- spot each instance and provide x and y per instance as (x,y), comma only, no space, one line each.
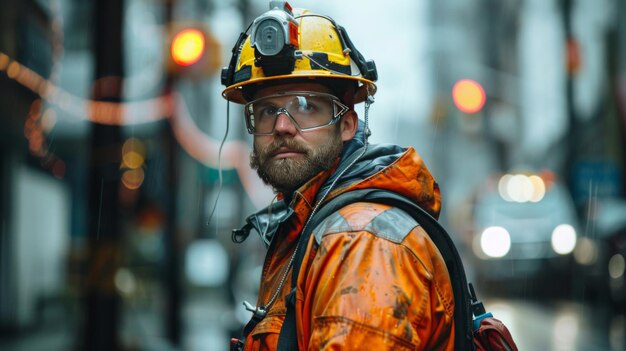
(235,92)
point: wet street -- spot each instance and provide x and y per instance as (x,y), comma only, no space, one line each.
(560,326)
(546,326)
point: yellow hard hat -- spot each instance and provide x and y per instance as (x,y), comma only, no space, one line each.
(295,44)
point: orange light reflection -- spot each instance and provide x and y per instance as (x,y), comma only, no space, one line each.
(196,143)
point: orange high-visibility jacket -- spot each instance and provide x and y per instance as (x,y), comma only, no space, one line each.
(371,278)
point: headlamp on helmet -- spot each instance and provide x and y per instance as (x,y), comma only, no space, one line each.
(274,38)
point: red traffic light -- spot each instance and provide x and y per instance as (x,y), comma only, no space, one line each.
(468,95)
(188,46)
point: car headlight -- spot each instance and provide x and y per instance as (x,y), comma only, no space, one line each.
(495,241)
(563,239)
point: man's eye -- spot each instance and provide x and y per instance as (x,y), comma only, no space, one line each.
(267,111)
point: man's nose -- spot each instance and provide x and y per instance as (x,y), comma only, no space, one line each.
(284,124)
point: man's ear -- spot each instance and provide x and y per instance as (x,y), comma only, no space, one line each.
(349,123)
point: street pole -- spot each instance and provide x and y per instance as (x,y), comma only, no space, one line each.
(173,246)
(102,302)
(572,135)
(620,80)
(491,45)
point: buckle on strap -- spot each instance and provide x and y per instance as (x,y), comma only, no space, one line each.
(257,312)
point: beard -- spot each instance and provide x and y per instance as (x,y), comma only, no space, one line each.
(287,174)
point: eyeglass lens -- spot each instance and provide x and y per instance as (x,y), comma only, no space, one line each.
(307,111)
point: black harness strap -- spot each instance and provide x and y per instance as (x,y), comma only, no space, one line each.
(288,338)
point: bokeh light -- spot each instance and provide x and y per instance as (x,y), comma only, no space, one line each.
(617,265)
(4,61)
(563,239)
(133,153)
(521,188)
(468,95)
(586,251)
(188,46)
(495,241)
(133,178)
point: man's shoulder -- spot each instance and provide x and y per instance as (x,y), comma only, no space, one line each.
(383,221)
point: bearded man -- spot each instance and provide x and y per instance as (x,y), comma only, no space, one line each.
(368,276)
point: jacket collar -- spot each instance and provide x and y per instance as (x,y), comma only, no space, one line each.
(300,203)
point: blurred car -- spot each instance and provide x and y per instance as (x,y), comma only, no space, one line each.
(524,229)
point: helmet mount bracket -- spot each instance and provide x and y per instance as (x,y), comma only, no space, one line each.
(274,37)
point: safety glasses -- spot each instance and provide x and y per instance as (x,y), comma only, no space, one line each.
(307,110)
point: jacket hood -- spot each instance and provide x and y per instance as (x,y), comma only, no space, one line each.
(384,166)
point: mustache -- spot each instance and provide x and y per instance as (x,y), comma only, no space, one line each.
(288,143)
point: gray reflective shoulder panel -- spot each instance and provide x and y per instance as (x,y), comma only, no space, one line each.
(335,223)
(392,224)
